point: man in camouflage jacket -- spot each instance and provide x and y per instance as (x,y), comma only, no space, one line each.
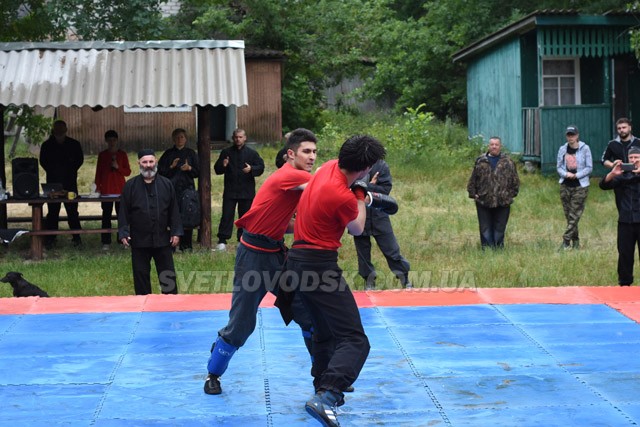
(493,185)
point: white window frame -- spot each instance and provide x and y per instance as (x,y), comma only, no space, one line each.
(576,76)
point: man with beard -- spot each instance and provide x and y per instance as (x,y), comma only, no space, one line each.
(617,150)
(149,223)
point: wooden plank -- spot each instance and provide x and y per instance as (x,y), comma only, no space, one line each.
(66,232)
(62,218)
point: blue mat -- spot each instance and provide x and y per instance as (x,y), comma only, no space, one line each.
(479,365)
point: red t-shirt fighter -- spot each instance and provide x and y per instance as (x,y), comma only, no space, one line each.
(275,203)
(326,207)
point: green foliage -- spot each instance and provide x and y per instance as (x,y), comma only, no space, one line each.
(40,20)
(414,138)
(36,127)
(106,20)
(24,20)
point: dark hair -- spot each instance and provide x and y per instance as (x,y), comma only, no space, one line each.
(298,136)
(360,152)
(622,120)
(177,132)
(111,134)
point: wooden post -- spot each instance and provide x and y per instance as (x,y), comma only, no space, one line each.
(3,174)
(204,180)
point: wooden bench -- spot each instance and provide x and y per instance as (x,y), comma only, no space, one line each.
(37,232)
(62,218)
(67,232)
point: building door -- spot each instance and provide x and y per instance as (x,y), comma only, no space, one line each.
(626,80)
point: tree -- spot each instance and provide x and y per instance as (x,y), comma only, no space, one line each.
(106,19)
(414,51)
(24,20)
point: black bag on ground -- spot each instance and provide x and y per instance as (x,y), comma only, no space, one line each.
(190,208)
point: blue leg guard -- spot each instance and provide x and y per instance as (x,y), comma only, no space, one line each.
(220,357)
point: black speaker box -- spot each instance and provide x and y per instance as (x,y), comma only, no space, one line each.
(26,182)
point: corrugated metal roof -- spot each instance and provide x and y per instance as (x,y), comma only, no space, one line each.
(150,73)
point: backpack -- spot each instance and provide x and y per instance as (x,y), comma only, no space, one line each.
(190,208)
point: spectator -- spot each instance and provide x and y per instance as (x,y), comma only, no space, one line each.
(180,164)
(240,165)
(111,170)
(618,148)
(262,249)
(379,226)
(61,157)
(149,223)
(626,185)
(493,185)
(574,165)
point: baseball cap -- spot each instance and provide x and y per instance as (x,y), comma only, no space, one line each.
(634,150)
(571,130)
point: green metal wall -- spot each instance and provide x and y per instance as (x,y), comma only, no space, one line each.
(593,122)
(494,98)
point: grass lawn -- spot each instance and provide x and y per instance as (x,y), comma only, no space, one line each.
(436,227)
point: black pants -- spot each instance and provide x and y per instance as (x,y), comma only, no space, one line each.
(107,208)
(53,217)
(228,214)
(141,264)
(340,346)
(493,224)
(390,249)
(186,240)
(628,239)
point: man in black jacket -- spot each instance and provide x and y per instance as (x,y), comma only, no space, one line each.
(149,223)
(180,164)
(61,157)
(626,185)
(378,225)
(618,148)
(240,165)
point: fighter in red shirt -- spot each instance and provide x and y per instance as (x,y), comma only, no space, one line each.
(260,254)
(326,208)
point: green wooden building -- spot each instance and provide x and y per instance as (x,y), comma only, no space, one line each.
(528,81)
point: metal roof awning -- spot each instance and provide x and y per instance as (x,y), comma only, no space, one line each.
(148,73)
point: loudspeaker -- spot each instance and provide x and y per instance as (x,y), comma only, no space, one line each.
(25,177)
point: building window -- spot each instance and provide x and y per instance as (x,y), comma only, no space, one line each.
(560,81)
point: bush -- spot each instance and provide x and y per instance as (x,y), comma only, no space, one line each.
(413,139)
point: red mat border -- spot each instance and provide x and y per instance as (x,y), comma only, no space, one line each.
(624,299)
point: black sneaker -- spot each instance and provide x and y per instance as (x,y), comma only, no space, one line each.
(322,407)
(212,384)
